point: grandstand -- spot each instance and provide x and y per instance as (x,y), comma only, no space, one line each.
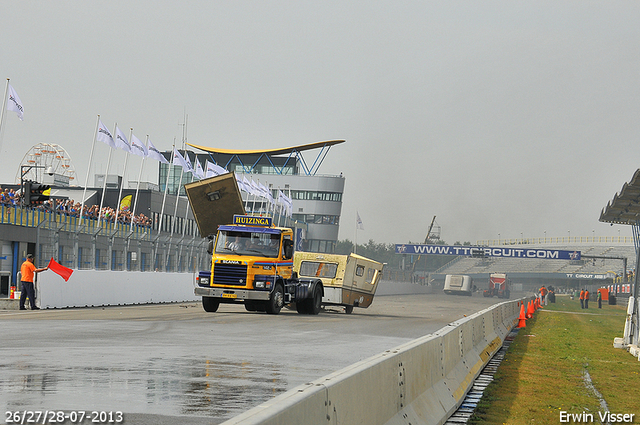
(561,273)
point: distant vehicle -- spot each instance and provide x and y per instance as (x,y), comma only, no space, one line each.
(457,284)
(499,285)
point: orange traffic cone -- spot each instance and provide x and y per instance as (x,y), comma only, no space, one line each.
(522,321)
(530,310)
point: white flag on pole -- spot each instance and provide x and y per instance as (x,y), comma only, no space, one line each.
(238,181)
(137,147)
(199,172)
(248,186)
(104,135)
(211,171)
(14,103)
(179,160)
(256,188)
(218,169)
(121,141)
(264,192)
(155,154)
(359,224)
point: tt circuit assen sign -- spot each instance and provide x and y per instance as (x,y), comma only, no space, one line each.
(486,251)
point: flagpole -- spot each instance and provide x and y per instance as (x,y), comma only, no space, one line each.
(86,180)
(355,246)
(124,170)
(184,226)
(4,107)
(253,203)
(135,199)
(164,198)
(104,185)
(166,187)
(290,207)
(175,210)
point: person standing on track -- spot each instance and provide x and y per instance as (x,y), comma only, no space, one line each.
(586,298)
(543,295)
(28,272)
(582,299)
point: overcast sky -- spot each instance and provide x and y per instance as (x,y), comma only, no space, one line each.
(498,117)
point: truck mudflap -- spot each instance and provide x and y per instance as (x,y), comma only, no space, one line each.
(305,288)
(232,295)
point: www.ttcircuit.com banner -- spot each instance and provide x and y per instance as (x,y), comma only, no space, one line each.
(503,252)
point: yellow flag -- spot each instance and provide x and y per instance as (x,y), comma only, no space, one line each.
(125,204)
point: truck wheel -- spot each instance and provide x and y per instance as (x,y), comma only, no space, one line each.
(315,303)
(210,304)
(348,309)
(275,303)
(301,307)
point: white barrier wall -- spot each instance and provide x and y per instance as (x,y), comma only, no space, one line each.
(421,382)
(102,287)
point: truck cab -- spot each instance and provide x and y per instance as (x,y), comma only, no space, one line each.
(251,262)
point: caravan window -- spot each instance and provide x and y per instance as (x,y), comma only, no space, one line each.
(318,269)
(370,273)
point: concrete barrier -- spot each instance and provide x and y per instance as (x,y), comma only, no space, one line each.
(87,288)
(102,288)
(421,382)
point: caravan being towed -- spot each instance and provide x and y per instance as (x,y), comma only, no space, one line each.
(348,280)
(458,284)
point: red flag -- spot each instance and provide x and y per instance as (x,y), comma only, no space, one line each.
(63,271)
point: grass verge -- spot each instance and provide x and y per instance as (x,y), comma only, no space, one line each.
(543,371)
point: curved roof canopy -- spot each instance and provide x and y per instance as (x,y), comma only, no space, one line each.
(625,206)
(243,156)
(282,151)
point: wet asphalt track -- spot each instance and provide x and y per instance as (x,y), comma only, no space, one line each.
(174,363)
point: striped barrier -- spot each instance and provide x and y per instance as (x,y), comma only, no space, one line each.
(421,382)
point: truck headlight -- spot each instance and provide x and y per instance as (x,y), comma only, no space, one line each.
(261,284)
(203,281)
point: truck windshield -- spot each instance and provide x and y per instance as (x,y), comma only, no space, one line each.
(248,243)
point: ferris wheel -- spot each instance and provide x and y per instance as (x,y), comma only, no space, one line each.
(47,158)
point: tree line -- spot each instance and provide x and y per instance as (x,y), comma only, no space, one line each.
(386,253)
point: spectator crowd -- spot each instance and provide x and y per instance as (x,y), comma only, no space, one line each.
(71,208)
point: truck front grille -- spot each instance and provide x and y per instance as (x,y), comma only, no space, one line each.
(230,274)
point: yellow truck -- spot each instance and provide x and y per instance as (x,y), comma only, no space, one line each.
(348,280)
(253,261)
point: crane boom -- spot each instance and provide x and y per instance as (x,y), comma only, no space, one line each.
(426,240)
